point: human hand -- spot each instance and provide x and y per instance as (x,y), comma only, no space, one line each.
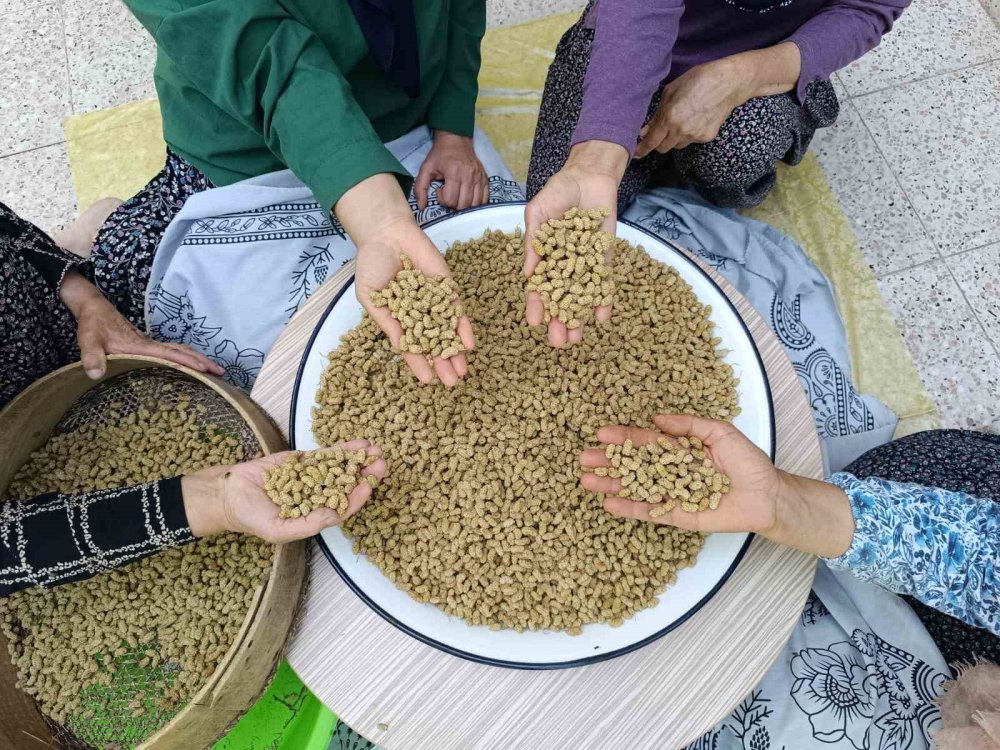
(102,330)
(453,160)
(378,219)
(588,180)
(694,106)
(378,262)
(232,498)
(803,513)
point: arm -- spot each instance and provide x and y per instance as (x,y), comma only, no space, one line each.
(40,540)
(630,57)
(694,106)
(56,538)
(101,329)
(840,33)
(453,108)
(452,115)
(940,547)
(259,65)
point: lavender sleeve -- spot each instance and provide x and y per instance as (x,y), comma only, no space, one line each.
(633,40)
(840,33)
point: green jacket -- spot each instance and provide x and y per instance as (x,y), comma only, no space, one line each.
(248,87)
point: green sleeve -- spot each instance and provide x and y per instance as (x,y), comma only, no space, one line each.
(454,105)
(266,70)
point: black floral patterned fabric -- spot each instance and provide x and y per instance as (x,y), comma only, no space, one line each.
(37,332)
(126,243)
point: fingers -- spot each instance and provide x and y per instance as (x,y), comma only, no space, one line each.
(304,527)
(706,430)
(482,190)
(355,445)
(534,309)
(619,506)
(449,193)
(461,365)
(417,363)
(656,132)
(376,470)
(603,313)
(574,335)
(420,367)
(533,218)
(445,371)
(92,353)
(591,458)
(422,185)
(618,434)
(606,485)
(466,195)
(465,333)
(558,334)
(357,498)
(186,356)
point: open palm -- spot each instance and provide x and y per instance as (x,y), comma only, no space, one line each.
(750,505)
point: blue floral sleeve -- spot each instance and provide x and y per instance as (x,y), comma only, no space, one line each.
(940,547)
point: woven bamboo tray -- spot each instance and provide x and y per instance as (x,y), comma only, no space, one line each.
(247,667)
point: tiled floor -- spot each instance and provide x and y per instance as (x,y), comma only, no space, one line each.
(914,158)
(915,161)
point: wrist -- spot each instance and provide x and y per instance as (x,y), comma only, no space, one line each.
(374,206)
(204,501)
(812,516)
(77,293)
(445,137)
(599,157)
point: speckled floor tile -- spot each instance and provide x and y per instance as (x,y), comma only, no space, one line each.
(941,139)
(957,362)
(838,88)
(111,56)
(887,228)
(931,37)
(34,94)
(8,6)
(510,12)
(38,185)
(978,274)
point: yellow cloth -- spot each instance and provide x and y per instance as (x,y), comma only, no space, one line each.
(116,151)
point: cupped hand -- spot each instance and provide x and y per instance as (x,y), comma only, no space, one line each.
(693,107)
(751,503)
(102,330)
(378,261)
(453,160)
(588,180)
(232,498)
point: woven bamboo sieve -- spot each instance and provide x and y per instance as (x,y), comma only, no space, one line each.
(52,404)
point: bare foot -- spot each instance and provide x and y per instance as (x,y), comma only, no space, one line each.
(80,235)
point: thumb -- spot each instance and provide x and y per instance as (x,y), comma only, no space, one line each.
(91,352)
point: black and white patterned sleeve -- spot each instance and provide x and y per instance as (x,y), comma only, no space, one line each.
(55,539)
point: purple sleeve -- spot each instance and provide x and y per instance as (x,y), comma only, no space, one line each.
(633,40)
(839,34)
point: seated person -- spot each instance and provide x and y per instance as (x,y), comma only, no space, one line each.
(917,517)
(50,316)
(252,88)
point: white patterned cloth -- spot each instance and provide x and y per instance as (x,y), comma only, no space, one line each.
(860,670)
(238,261)
(793,296)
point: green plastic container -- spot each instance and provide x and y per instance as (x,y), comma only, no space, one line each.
(287,717)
